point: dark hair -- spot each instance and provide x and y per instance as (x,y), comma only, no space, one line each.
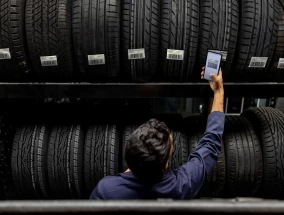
(148,150)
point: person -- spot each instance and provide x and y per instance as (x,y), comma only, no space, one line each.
(147,154)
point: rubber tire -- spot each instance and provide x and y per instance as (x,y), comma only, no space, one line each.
(65,161)
(219,23)
(243,157)
(276,74)
(180,150)
(12,36)
(214,183)
(269,124)
(48,30)
(96,30)
(127,131)
(140,29)
(101,154)
(257,38)
(29,161)
(179,30)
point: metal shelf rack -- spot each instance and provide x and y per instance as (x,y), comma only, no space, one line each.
(134,90)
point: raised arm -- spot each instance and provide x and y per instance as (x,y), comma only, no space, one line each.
(191,175)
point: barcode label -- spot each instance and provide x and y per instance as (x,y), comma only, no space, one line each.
(173,54)
(5,54)
(48,61)
(281,63)
(213,64)
(97,59)
(258,62)
(134,54)
(223,53)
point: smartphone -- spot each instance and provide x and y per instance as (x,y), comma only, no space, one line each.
(213,63)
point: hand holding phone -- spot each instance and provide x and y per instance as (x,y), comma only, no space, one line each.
(217,81)
(212,65)
(217,87)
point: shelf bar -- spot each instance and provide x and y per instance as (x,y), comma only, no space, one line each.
(133,90)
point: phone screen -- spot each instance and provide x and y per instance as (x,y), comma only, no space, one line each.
(212,65)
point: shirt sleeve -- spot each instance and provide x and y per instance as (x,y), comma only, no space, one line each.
(95,194)
(191,175)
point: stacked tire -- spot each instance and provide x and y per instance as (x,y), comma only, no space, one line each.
(139,41)
(179,31)
(49,35)
(15,64)
(251,162)
(67,161)
(96,31)
(257,38)
(269,125)
(218,30)
(101,154)
(243,158)
(62,161)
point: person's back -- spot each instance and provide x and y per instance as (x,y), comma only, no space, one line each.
(148,152)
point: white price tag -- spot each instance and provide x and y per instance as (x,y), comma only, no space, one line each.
(97,59)
(48,61)
(281,63)
(5,54)
(134,54)
(173,54)
(258,62)
(223,53)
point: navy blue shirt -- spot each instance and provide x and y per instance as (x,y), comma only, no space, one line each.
(181,183)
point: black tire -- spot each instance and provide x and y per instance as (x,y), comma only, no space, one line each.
(96,30)
(48,29)
(180,150)
(65,161)
(243,157)
(214,182)
(140,29)
(29,161)
(276,74)
(179,30)
(219,23)
(257,38)
(127,131)
(269,124)
(101,154)
(41,138)
(256,162)
(12,36)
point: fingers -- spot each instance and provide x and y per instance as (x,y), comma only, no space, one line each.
(217,78)
(220,73)
(202,73)
(214,77)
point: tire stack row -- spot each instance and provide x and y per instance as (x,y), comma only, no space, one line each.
(63,161)
(251,159)
(67,161)
(74,31)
